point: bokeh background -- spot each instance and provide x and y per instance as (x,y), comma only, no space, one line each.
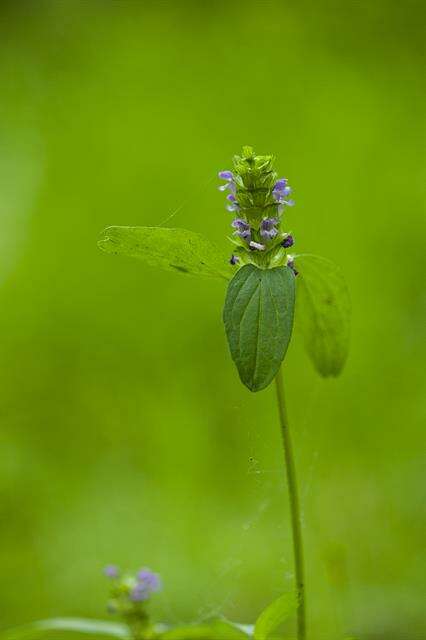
(126,435)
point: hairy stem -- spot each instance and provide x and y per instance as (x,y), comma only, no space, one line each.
(294,508)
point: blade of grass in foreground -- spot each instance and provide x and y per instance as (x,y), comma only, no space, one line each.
(40,628)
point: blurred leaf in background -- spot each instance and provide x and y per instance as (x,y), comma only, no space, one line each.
(125,435)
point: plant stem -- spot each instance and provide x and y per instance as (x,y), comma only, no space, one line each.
(294,507)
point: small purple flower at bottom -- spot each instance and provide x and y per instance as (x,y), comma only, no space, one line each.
(256,246)
(234,259)
(149,580)
(139,593)
(111,571)
(287,242)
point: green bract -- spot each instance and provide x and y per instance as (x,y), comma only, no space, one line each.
(255,179)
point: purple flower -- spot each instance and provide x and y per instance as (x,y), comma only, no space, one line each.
(287,242)
(269,223)
(280,192)
(234,259)
(240,224)
(111,571)
(139,593)
(229,184)
(234,206)
(268,229)
(281,189)
(256,246)
(242,228)
(149,580)
(281,184)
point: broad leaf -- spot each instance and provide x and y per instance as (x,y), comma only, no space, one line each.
(323,312)
(172,249)
(208,630)
(275,614)
(258,317)
(39,629)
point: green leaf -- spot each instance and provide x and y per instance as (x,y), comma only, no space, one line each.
(171,249)
(40,628)
(275,614)
(323,312)
(208,630)
(258,317)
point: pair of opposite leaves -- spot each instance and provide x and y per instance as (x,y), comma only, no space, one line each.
(260,303)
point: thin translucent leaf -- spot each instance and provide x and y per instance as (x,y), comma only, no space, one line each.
(214,629)
(171,249)
(258,317)
(275,614)
(323,312)
(40,628)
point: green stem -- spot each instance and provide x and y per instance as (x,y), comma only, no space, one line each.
(294,508)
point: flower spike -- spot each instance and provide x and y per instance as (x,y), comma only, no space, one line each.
(258,197)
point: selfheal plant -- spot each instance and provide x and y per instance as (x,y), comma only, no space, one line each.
(262,295)
(268,291)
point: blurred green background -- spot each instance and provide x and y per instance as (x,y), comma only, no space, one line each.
(126,435)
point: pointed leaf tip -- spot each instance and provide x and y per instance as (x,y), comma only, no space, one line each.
(275,614)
